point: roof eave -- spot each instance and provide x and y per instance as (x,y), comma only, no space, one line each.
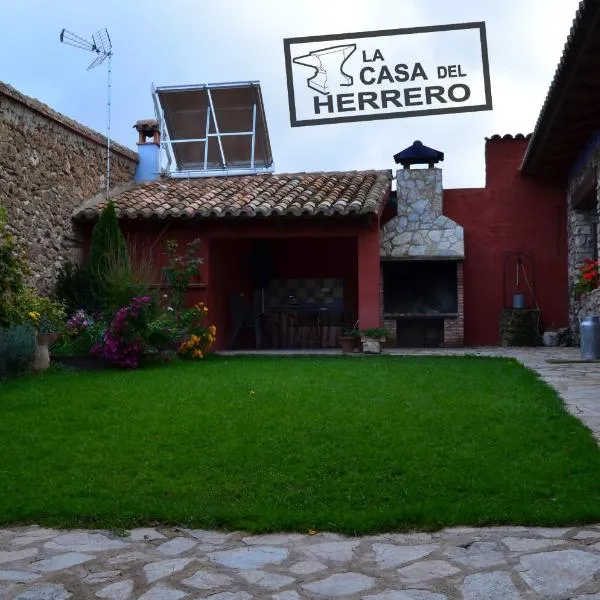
(584,25)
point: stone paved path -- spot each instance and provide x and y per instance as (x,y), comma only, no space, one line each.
(510,563)
(507,563)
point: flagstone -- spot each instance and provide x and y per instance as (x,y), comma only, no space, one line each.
(162,592)
(489,586)
(14,555)
(163,568)
(120,590)
(176,546)
(84,542)
(340,584)
(263,579)
(253,557)
(427,570)
(46,591)
(18,576)
(558,573)
(207,580)
(62,561)
(388,556)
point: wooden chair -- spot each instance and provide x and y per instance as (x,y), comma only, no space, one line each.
(244,316)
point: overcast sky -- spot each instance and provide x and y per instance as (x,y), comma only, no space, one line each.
(187,42)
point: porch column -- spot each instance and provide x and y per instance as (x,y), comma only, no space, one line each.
(369,314)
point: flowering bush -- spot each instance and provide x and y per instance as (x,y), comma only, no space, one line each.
(82,332)
(589,277)
(200,338)
(79,322)
(181,269)
(124,340)
(46,315)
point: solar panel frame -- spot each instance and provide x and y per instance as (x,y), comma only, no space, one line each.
(209,127)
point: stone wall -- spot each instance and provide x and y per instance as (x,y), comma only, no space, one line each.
(49,165)
(580,230)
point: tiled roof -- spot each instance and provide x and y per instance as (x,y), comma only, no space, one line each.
(311,194)
(46,111)
(508,137)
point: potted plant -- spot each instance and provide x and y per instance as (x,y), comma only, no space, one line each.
(48,319)
(349,340)
(372,338)
(588,278)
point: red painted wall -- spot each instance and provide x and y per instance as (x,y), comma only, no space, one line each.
(511,214)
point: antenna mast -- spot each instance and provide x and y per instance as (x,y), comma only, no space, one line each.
(102,46)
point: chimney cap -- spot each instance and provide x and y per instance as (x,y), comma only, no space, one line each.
(418,154)
(147,126)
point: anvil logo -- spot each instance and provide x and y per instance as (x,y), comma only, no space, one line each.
(328,66)
(387,74)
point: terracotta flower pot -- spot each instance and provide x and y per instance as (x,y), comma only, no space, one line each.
(349,344)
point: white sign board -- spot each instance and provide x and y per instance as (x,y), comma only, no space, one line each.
(387,74)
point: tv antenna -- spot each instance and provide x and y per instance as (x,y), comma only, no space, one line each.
(102,46)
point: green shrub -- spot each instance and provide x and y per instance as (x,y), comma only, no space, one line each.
(121,282)
(108,243)
(75,288)
(108,251)
(13,271)
(17,349)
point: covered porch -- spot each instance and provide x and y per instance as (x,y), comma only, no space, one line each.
(293,289)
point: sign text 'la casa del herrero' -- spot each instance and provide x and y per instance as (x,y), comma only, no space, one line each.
(387,74)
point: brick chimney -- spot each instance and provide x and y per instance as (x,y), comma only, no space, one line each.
(148,167)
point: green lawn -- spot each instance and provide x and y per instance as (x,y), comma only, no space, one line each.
(350,444)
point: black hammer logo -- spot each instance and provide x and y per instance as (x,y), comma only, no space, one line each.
(328,66)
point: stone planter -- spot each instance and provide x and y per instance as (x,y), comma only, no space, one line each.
(372,345)
(349,344)
(41,359)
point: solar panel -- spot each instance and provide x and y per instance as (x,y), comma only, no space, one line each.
(214,128)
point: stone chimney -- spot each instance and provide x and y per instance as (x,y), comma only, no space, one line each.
(148,167)
(420,229)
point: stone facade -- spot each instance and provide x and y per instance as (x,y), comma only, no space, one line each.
(49,165)
(583,241)
(420,228)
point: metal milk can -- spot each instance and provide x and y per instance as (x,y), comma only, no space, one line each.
(589,331)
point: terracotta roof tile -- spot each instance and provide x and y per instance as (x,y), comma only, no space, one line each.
(508,137)
(312,194)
